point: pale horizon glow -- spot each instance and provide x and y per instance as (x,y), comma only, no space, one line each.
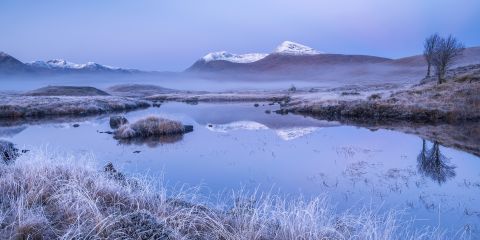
(171,35)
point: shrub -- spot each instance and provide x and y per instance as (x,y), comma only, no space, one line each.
(350,93)
(150,127)
(292,88)
(374,96)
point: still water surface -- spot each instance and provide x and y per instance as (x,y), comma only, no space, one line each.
(239,145)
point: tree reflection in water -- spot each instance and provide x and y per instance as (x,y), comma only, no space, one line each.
(433,164)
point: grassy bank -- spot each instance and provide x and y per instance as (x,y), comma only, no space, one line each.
(453,101)
(12,107)
(54,196)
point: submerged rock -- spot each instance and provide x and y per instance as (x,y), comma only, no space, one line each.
(117,121)
(8,151)
(107,132)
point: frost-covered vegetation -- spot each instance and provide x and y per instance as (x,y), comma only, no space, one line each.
(195,97)
(150,127)
(59,196)
(66,91)
(14,106)
(455,100)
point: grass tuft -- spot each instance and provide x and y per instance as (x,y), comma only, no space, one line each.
(151,126)
(55,196)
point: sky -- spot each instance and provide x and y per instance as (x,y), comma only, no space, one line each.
(170,35)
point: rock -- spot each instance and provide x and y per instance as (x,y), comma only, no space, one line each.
(76,125)
(268,111)
(117,121)
(282,111)
(187,128)
(136,151)
(8,151)
(256,105)
(107,132)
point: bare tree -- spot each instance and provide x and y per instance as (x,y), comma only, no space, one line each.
(429,50)
(446,52)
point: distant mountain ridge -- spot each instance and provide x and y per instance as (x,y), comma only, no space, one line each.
(289,61)
(11,65)
(294,61)
(287,55)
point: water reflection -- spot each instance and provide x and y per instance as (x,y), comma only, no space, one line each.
(152,141)
(433,164)
(239,145)
(11,131)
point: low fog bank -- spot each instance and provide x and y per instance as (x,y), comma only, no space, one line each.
(178,81)
(328,76)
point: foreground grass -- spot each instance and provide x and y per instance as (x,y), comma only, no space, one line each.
(64,197)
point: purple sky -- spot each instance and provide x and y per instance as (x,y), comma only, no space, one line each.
(171,35)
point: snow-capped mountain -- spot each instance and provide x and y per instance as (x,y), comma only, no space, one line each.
(287,60)
(285,48)
(292,48)
(236,58)
(65,65)
(11,65)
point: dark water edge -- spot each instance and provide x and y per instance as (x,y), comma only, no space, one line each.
(462,135)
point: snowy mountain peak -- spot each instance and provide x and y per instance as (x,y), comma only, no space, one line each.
(60,63)
(236,58)
(292,48)
(63,64)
